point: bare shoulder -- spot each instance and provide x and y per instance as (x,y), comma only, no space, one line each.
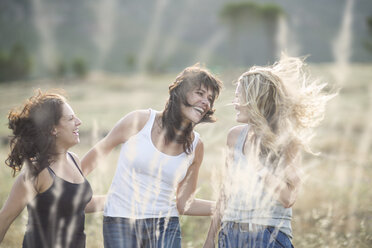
(138,115)
(77,161)
(129,125)
(233,134)
(75,157)
(136,119)
(43,181)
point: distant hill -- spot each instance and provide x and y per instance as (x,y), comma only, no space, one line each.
(165,35)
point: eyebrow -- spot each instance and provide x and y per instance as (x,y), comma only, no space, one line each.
(205,90)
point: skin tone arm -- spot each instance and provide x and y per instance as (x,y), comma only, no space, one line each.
(285,191)
(217,215)
(186,203)
(121,132)
(96,204)
(286,185)
(216,220)
(22,192)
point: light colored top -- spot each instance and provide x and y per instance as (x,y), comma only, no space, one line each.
(146,180)
(248,201)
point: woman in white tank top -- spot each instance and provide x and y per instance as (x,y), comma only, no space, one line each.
(278,107)
(158,165)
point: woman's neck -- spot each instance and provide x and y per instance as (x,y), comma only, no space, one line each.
(60,157)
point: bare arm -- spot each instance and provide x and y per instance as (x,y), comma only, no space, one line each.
(21,193)
(216,220)
(284,185)
(96,204)
(186,203)
(222,199)
(120,133)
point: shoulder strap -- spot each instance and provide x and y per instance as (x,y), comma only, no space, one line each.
(150,121)
(195,141)
(241,139)
(75,164)
(51,172)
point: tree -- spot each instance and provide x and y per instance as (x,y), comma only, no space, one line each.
(16,65)
(368,43)
(79,67)
(4,67)
(61,69)
(369,23)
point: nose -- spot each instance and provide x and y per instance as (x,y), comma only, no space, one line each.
(206,103)
(78,122)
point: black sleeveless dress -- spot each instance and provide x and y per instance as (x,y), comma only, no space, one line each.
(56,216)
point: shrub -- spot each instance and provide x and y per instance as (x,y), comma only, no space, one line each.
(16,65)
(79,67)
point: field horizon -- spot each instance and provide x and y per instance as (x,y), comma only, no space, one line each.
(334,206)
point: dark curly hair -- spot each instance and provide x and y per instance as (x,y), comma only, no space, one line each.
(32,141)
(188,79)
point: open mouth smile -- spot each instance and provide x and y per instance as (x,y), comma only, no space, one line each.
(199,110)
(76,132)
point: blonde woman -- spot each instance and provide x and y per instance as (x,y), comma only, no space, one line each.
(277,106)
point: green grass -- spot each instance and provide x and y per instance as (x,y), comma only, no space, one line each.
(334,206)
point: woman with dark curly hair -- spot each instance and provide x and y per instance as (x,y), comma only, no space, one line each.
(158,165)
(52,183)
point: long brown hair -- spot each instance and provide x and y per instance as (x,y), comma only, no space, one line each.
(187,80)
(32,141)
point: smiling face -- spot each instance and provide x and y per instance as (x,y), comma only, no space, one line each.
(240,103)
(67,130)
(199,100)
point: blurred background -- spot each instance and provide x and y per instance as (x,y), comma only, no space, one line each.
(59,38)
(114,56)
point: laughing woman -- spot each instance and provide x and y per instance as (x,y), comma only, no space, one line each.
(277,107)
(158,165)
(52,184)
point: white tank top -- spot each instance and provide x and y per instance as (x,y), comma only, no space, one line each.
(146,180)
(248,200)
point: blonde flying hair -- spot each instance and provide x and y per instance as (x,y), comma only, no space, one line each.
(284,106)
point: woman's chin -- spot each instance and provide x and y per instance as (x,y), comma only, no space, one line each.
(240,119)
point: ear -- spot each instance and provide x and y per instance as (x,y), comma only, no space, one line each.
(54,131)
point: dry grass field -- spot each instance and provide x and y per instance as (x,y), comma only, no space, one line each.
(334,207)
